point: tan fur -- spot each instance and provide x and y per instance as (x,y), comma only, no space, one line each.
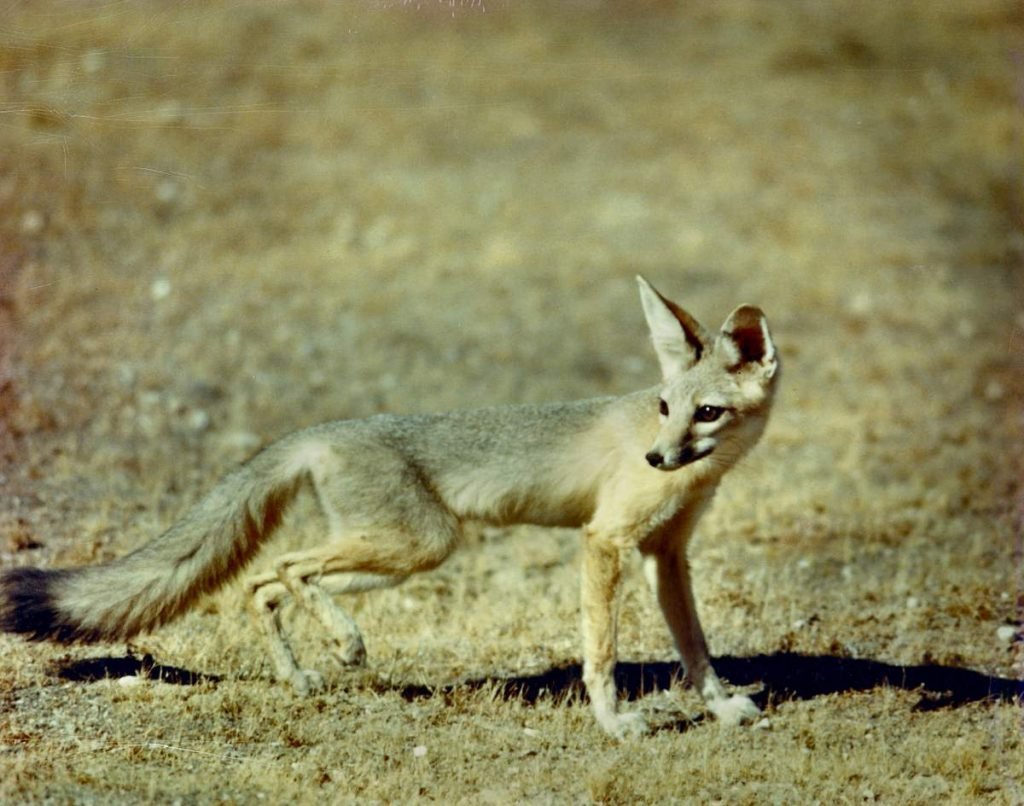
(397,490)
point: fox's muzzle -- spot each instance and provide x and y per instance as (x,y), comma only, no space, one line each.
(688,454)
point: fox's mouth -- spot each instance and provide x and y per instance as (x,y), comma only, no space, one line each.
(691,454)
(688,454)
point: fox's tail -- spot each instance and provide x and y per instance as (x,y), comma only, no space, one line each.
(161,580)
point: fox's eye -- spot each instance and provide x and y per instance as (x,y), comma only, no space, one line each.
(662,407)
(708,414)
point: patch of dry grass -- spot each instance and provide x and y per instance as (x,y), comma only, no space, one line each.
(219,224)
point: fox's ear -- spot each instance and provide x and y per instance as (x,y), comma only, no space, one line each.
(678,338)
(745,341)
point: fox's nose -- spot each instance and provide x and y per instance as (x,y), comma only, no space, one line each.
(654,459)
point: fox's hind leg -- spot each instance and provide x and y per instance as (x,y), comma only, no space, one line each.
(382,557)
(268,592)
(384,523)
(348,565)
(349,649)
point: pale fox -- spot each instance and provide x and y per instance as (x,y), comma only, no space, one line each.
(635,472)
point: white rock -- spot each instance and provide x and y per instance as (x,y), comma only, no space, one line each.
(161,289)
(167,191)
(966,329)
(32,222)
(241,441)
(93,61)
(1006,633)
(994,390)
(861,303)
(130,681)
(198,421)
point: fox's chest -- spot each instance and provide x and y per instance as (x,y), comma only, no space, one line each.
(644,503)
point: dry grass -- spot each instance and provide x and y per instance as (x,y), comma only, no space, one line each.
(220,222)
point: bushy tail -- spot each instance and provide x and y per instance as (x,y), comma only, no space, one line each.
(161,580)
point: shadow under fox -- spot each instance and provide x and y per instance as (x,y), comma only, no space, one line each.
(634,472)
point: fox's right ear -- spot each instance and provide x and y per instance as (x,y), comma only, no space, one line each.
(745,342)
(678,338)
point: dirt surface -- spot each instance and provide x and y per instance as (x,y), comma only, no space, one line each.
(220,222)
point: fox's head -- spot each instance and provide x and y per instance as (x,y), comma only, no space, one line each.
(716,390)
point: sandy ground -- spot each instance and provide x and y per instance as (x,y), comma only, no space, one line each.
(222,221)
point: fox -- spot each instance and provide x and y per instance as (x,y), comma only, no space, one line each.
(633,473)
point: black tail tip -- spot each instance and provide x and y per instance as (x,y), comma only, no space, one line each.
(27,605)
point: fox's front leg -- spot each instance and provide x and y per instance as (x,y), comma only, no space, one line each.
(602,572)
(675,595)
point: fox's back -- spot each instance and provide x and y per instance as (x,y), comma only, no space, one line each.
(507,464)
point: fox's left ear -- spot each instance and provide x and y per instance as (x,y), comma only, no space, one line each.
(746,342)
(678,338)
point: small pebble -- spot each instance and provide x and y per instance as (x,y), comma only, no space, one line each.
(419,751)
(32,222)
(1006,633)
(167,191)
(994,390)
(198,421)
(861,304)
(241,441)
(161,289)
(93,61)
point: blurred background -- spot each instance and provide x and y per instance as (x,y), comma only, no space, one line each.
(220,222)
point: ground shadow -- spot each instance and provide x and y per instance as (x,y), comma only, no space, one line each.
(783,676)
(90,669)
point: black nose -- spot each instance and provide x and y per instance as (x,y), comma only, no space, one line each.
(654,459)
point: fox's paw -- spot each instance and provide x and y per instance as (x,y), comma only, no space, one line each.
(734,710)
(306,682)
(623,725)
(350,653)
